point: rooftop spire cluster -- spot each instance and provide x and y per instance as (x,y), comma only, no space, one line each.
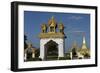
(52,29)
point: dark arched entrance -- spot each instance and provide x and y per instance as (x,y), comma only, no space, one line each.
(51,50)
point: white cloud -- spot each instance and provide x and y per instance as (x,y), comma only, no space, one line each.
(76,17)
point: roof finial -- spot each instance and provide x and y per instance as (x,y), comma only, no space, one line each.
(84,42)
(52,17)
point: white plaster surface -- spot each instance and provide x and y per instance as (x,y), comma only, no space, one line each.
(59,41)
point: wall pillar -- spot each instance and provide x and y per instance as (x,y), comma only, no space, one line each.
(42,50)
(25,57)
(61,49)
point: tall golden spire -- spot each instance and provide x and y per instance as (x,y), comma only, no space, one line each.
(52,21)
(52,25)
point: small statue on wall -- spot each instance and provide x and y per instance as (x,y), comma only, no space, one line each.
(61,28)
(44,28)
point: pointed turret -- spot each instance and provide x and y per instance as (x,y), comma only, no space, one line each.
(52,21)
(52,25)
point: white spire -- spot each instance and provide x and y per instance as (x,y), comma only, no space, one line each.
(84,43)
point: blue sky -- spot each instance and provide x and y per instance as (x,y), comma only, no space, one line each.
(75,25)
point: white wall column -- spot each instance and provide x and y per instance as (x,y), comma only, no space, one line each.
(61,48)
(25,57)
(42,50)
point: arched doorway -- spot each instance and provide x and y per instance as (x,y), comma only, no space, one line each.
(51,50)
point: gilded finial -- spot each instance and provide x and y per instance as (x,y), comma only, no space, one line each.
(52,21)
(52,17)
